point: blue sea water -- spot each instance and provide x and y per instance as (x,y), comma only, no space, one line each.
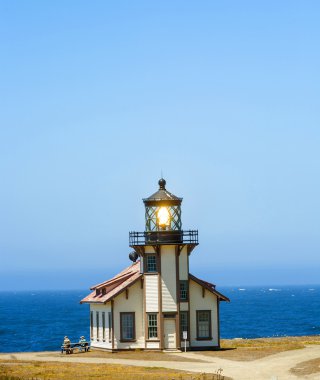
(256,312)
(38,320)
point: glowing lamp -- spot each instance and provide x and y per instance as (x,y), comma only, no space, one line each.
(163,214)
(163,217)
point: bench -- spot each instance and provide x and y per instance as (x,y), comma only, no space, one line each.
(80,346)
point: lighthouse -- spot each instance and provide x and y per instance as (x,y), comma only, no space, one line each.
(156,303)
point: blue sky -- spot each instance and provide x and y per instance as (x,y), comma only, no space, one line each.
(97,98)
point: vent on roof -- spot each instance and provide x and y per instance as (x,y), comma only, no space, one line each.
(104,291)
(97,292)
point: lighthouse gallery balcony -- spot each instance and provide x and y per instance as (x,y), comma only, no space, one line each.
(163,237)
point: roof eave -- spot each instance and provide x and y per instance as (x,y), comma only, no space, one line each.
(123,289)
(213,291)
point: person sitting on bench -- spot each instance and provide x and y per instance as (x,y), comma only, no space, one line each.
(83,343)
(66,344)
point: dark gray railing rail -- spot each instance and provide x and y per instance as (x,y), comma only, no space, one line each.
(163,237)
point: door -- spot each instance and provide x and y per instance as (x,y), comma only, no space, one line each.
(170,333)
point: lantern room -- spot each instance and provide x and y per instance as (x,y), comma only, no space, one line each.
(162,220)
(163,210)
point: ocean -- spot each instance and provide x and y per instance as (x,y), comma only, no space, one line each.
(38,320)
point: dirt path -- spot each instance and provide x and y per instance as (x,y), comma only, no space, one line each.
(273,367)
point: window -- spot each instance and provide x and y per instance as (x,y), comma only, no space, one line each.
(152,326)
(151,263)
(110,325)
(97,319)
(103,326)
(183,323)
(127,324)
(91,324)
(183,290)
(204,324)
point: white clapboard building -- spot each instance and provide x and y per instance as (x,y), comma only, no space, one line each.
(156,303)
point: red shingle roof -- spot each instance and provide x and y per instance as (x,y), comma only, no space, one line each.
(105,291)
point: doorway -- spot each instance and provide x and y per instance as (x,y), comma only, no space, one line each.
(170,333)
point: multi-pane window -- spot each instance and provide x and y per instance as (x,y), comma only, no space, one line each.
(127,326)
(152,326)
(183,290)
(151,263)
(203,324)
(103,326)
(183,322)
(110,325)
(97,324)
(91,324)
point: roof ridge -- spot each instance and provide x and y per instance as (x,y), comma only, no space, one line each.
(123,274)
(93,297)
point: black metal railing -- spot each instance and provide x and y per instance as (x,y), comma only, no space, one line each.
(163,237)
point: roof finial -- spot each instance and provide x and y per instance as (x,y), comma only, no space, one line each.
(162,184)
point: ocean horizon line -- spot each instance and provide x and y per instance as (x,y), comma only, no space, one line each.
(235,286)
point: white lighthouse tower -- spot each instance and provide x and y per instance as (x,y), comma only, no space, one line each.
(156,302)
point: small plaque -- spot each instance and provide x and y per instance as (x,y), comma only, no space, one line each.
(185,335)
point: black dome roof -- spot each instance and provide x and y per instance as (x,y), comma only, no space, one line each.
(162,195)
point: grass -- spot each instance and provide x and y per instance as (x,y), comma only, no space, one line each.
(25,370)
(309,367)
(232,349)
(252,349)
(133,355)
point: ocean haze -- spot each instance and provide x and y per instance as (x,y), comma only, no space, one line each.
(222,276)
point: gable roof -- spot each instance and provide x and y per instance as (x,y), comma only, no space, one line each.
(209,286)
(107,290)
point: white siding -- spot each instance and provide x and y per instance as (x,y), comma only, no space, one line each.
(183,264)
(153,345)
(134,303)
(197,302)
(168,278)
(151,284)
(100,308)
(149,249)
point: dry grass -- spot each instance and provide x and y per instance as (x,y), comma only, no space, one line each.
(235,349)
(309,367)
(133,355)
(252,349)
(24,370)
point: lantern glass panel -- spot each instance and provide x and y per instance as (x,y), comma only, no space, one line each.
(172,215)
